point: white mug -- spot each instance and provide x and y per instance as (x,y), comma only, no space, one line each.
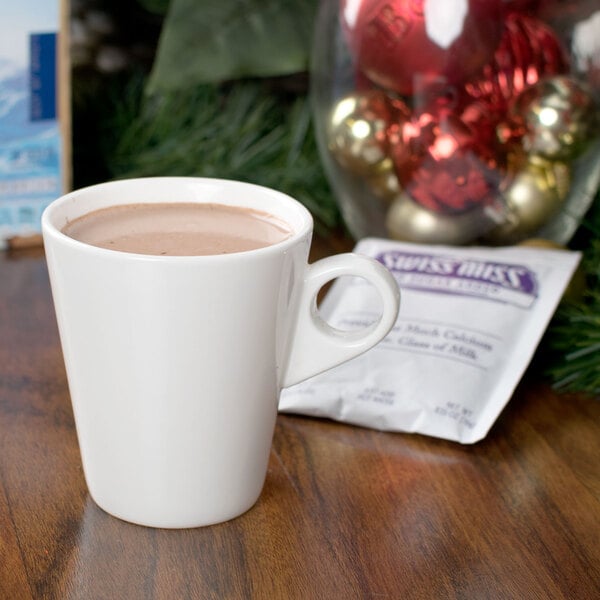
(175,363)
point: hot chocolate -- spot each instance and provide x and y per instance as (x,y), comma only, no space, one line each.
(178,229)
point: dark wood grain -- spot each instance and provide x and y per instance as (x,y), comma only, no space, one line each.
(345,513)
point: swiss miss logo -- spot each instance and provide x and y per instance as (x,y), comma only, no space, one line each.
(504,282)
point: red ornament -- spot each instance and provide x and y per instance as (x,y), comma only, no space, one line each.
(443,164)
(400,43)
(528,51)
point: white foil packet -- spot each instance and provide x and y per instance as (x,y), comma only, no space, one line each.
(470,321)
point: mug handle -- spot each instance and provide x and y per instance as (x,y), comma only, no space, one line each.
(315,345)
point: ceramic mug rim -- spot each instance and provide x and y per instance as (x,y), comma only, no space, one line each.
(152,189)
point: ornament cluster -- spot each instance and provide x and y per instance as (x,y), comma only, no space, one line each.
(464,119)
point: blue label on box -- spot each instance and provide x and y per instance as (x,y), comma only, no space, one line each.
(42,76)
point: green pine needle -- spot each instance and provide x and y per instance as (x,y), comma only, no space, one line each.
(574,334)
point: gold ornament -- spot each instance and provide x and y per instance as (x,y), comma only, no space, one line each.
(384,182)
(408,221)
(556,117)
(357,130)
(541,243)
(533,195)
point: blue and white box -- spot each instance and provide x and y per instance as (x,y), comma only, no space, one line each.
(34,114)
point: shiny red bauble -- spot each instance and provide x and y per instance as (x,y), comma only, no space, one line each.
(398,44)
(444,164)
(528,51)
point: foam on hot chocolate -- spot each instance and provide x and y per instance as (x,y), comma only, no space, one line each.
(178,229)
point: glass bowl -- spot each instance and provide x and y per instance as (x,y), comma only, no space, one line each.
(459,121)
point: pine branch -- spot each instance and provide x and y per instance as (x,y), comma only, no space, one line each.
(576,339)
(574,334)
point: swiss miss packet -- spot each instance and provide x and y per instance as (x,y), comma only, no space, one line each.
(470,320)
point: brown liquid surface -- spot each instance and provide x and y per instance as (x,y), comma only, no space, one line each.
(178,229)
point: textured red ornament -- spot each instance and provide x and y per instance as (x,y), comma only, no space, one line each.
(443,164)
(398,43)
(528,51)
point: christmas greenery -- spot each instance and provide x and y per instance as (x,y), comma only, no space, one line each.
(216,40)
(574,335)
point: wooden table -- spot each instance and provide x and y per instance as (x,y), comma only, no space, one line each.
(345,513)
